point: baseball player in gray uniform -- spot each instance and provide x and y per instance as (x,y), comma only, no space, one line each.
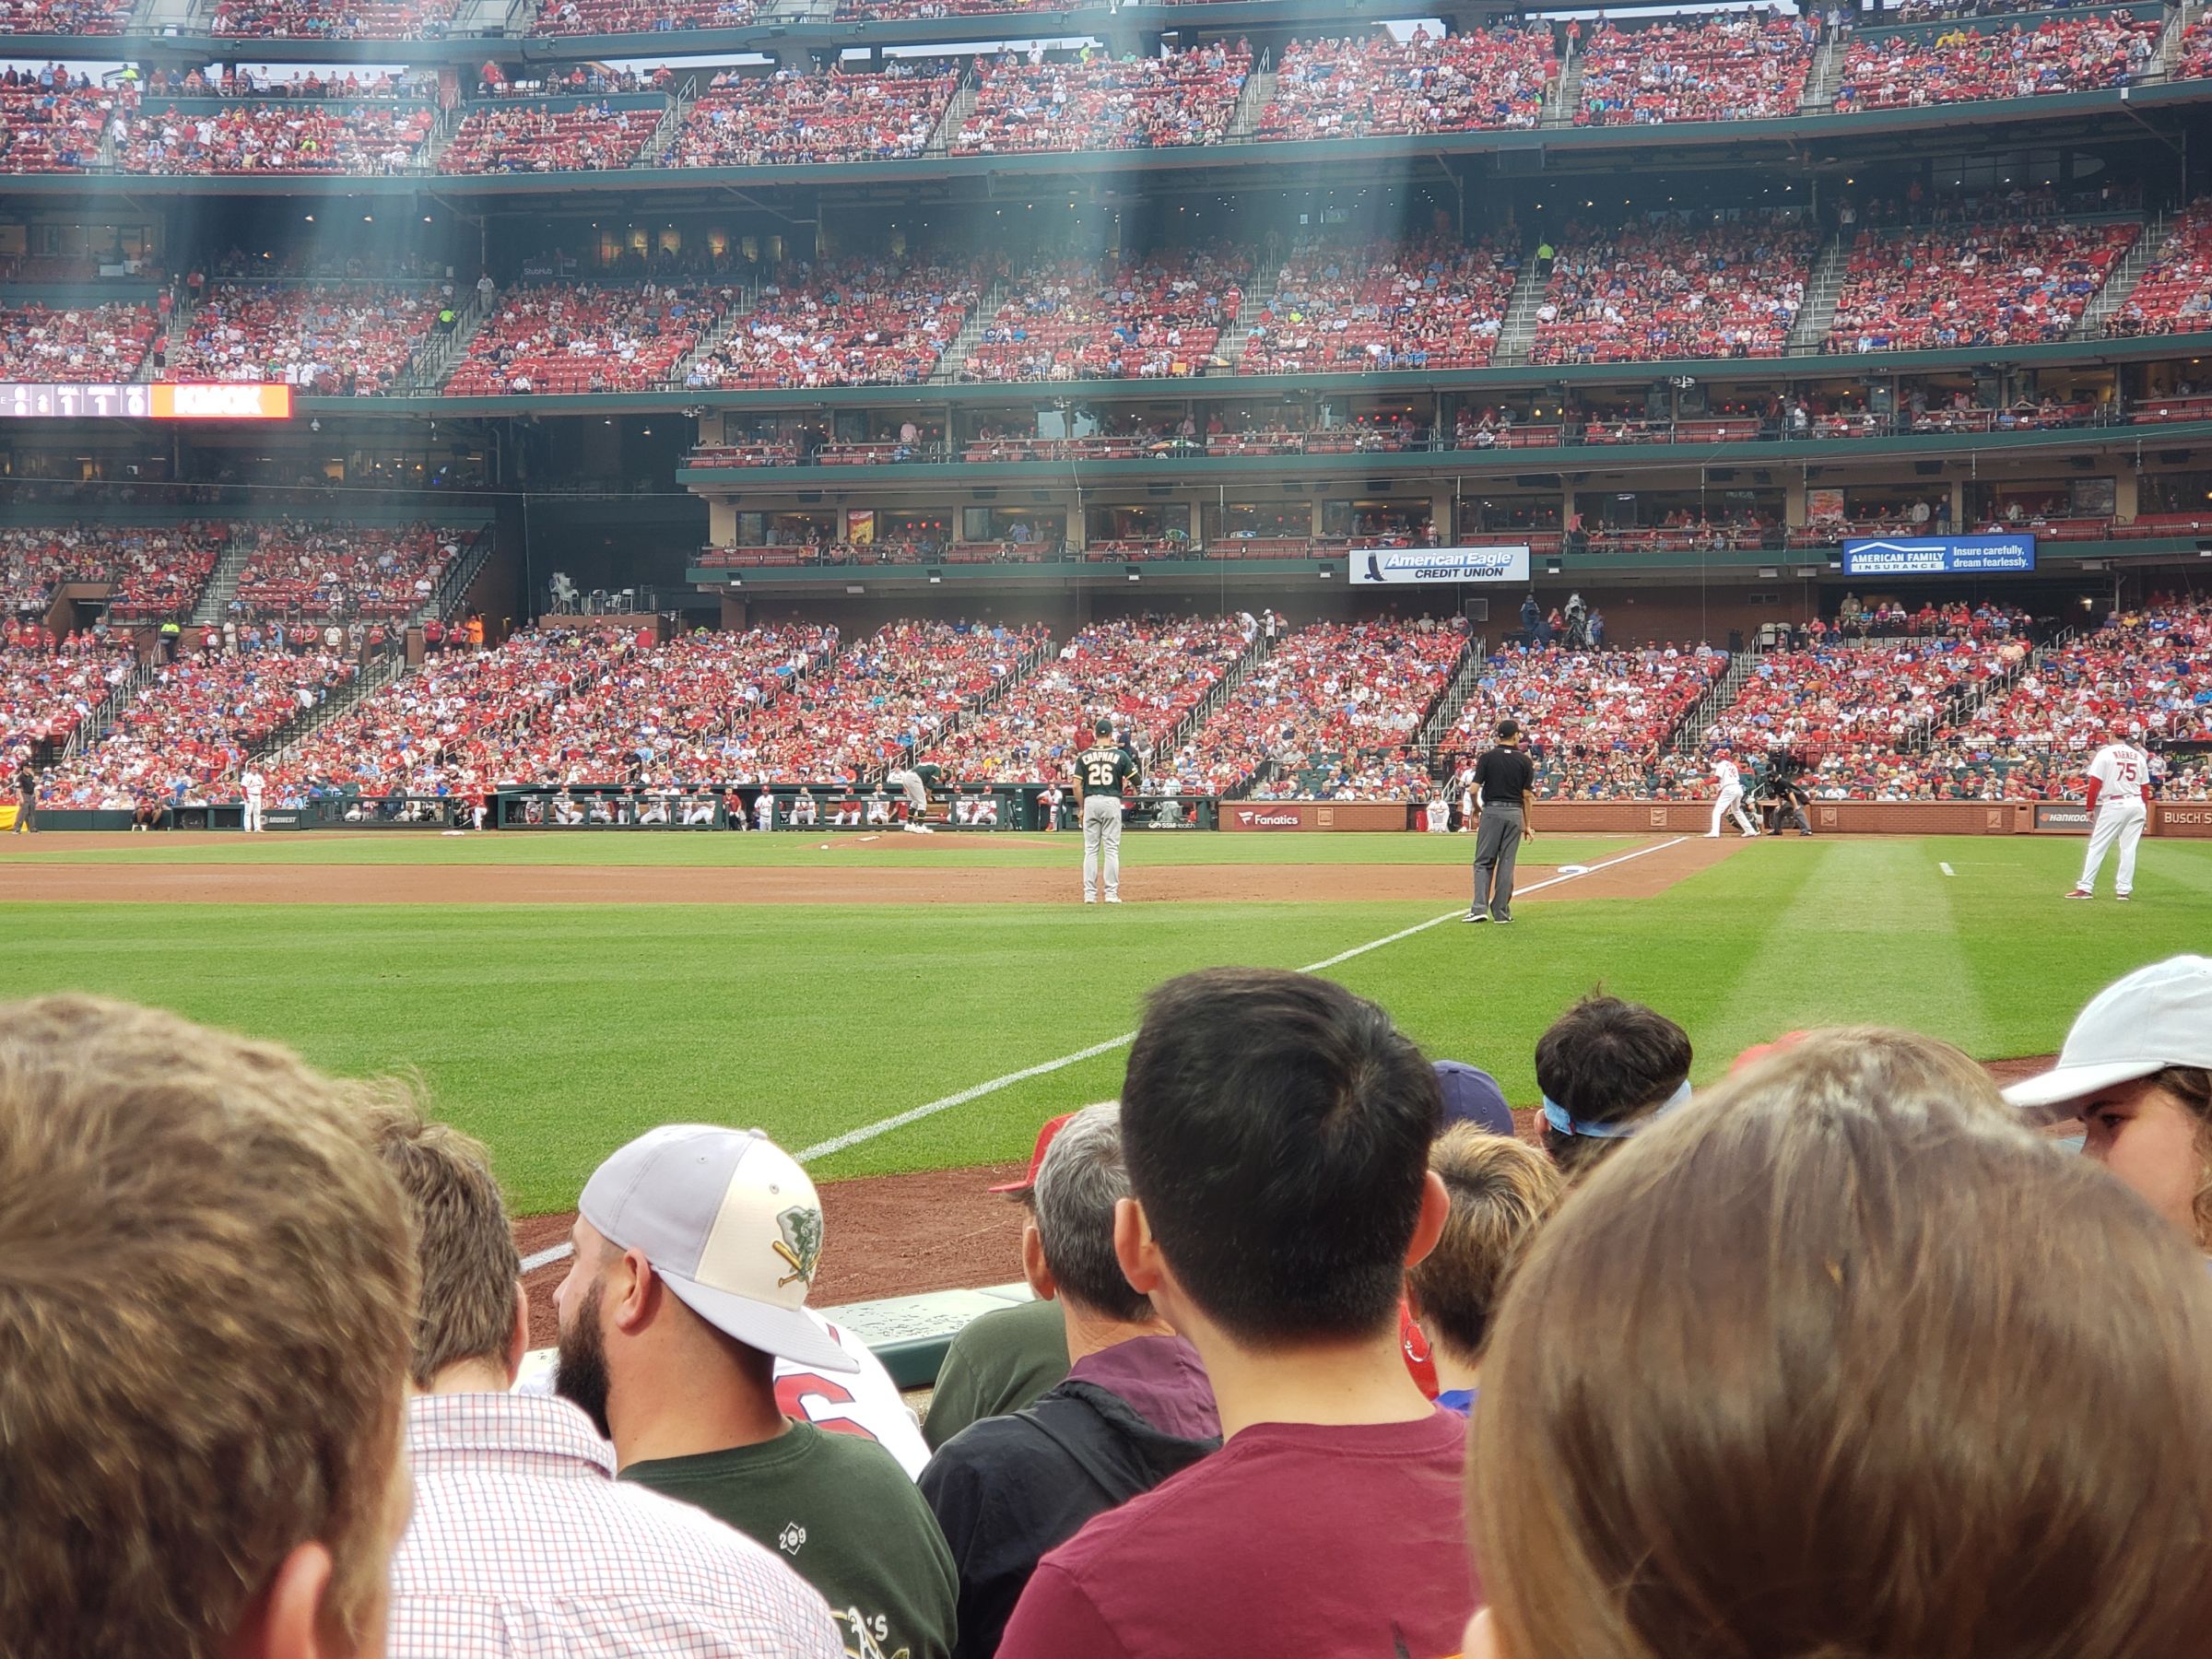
(916,783)
(1103,772)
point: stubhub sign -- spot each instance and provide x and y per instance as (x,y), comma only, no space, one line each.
(1939,556)
(1440,564)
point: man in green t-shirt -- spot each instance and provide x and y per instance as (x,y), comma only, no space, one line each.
(695,1247)
(1002,1361)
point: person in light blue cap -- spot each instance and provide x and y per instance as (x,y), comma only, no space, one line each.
(1607,1068)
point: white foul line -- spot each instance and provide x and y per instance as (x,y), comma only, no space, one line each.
(914,1114)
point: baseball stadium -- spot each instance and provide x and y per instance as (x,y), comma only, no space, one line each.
(797,565)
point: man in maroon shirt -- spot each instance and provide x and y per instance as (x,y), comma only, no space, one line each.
(1276,1133)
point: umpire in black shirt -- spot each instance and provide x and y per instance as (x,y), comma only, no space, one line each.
(1503,777)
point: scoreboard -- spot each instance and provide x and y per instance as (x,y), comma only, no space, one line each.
(160,402)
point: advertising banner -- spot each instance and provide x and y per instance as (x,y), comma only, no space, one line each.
(1440,564)
(2062,815)
(1939,556)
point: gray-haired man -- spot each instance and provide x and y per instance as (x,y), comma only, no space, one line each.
(1136,1408)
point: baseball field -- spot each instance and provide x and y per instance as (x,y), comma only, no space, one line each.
(893,1003)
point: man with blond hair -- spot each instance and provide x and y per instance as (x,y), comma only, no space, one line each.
(207,1291)
(523,1544)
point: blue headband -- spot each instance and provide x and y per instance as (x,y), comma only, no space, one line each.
(1558,1117)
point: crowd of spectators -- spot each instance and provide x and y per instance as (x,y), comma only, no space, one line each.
(1376,85)
(639,16)
(1598,717)
(2056,55)
(1877,694)
(1674,290)
(101,342)
(190,729)
(235,81)
(865,321)
(2150,667)
(367,139)
(544,138)
(754,120)
(1332,707)
(1740,66)
(2173,295)
(50,128)
(156,571)
(333,20)
(49,687)
(64,16)
(1145,675)
(1346,307)
(296,571)
(2193,57)
(565,338)
(1077,319)
(1098,102)
(1988,285)
(333,338)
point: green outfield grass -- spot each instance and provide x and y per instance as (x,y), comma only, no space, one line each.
(557,1032)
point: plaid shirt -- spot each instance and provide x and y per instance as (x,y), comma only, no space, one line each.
(524,1546)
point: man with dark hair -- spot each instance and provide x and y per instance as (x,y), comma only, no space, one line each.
(1607,1068)
(1277,1131)
(1503,778)
(519,1524)
(1134,1409)
(695,1247)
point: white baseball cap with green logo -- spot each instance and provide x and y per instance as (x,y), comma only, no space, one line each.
(732,1225)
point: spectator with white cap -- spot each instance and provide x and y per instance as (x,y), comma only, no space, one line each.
(695,1249)
(2136,1070)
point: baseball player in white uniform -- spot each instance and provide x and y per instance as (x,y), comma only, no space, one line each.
(253,786)
(2116,776)
(1731,801)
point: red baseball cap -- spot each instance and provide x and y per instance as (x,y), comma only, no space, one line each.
(1046,1137)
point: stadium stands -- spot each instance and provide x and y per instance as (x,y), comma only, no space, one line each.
(1145,675)
(2174,293)
(1360,87)
(639,17)
(565,338)
(545,137)
(157,572)
(1421,304)
(104,342)
(1738,67)
(1675,291)
(191,726)
(48,688)
(334,338)
(332,20)
(298,571)
(2153,668)
(2192,58)
(1329,711)
(373,138)
(1973,285)
(64,16)
(1610,710)
(747,121)
(1086,320)
(1878,693)
(861,322)
(49,131)
(1100,103)
(2057,53)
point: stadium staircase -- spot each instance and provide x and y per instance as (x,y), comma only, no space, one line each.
(95,725)
(435,358)
(222,584)
(947,371)
(1519,324)
(1565,93)
(1198,714)
(446,129)
(1228,351)
(663,138)
(2169,50)
(748,299)
(2108,298)
(956,113)
(1688,735)
(1251,103)
(155,15)
(1821,79)
(453,588)
(1452,697)
(280,744)
(1823,288)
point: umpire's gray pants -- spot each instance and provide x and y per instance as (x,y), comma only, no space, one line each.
(1101,839)
(1497,843)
